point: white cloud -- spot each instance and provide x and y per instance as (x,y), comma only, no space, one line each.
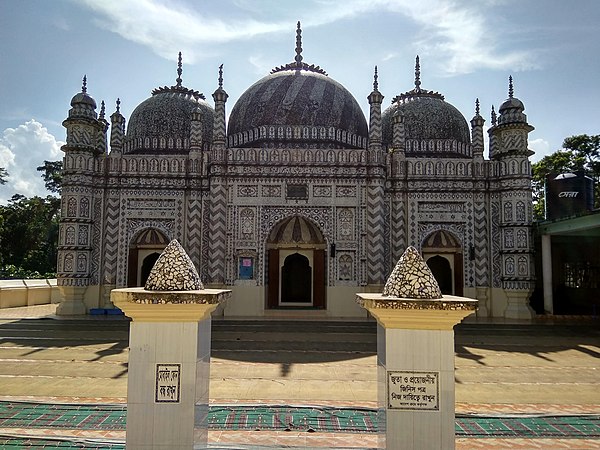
(541,147)
(456,34)
(168,28)
(22,150)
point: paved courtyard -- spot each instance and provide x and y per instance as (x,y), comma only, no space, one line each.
(503,370)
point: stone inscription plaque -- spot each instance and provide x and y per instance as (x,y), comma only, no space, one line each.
(413,390)
(297,191)
(168,379)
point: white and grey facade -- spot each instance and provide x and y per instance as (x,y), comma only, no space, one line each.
(296,202)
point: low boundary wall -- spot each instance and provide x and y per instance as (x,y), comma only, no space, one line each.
(15,293)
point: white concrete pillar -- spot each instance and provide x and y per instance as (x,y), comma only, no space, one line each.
(415,368)
(547,273)
(169,366)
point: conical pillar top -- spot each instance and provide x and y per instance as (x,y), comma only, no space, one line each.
(412,278)
(174,271)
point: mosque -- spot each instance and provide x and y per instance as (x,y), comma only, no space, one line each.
(297,202)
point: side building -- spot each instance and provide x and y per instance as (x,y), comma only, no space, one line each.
(297,202)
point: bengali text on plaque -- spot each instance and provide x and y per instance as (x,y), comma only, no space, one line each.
(413,390)
(168,378)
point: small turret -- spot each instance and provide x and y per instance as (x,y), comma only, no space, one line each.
(117,131)
(82,104)
(511,111)
(102,144)
(477,123)
(220,98)
(375,100)
(508,134)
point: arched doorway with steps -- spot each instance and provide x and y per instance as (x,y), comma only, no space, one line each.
(144,250)
(442,251)
(296,265)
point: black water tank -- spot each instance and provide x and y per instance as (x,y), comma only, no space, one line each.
(568,194)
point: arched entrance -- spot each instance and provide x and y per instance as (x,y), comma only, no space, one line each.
(144,250)
(442,252)
(296,265)
(296,279)
(440,267)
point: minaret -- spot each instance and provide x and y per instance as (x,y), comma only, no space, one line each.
(196,132)
(218,192)
(117,130)
(376,270)
(477,123)
(398,134)
(514,236)
(375,134)
(220,98)
(86,140)
(102,141)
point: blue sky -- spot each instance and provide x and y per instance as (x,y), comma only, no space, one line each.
(128,47)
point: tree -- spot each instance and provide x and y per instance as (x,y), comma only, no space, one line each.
(580,152)
(29,236)
(29,229)
(52,175)
(3,175)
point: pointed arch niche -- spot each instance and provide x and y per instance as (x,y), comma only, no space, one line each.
(144,249)
(442,251)
(296,265)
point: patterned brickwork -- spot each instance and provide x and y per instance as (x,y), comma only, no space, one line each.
(480,225)
(219,127)
(96,242)
(495,238)
(375,231)
(398,226)
(218,233)
(194,227)
(111,237)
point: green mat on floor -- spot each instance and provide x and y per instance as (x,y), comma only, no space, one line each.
(293,418)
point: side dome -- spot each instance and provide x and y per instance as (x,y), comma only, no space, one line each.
(82,104)
(432,127)
(297,105)
(163,122)
(511,111)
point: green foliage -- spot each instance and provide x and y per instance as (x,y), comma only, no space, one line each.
(29,236)
(581,152)
(52,175)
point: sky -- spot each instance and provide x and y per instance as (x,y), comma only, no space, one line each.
(126,48)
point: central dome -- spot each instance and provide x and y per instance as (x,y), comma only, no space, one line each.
(297,105)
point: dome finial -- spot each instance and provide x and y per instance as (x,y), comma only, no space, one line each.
(510,87)
(494,118)
(179,71)
(477,106)
(118,105)
(298,46)
(102,109)
(221,76)
(417,75)
(84,86)
(375,83)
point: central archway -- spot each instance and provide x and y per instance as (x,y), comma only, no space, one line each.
(296,265)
